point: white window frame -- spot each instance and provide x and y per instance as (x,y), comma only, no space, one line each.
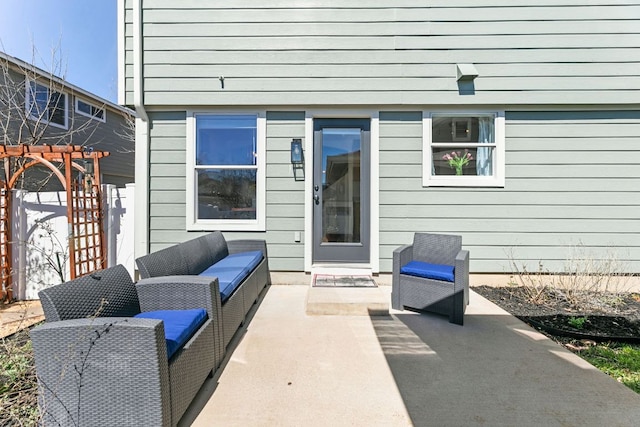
(195,224)
(28,105)
(431,180)
(92,105)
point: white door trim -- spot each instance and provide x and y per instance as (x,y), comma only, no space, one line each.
(374,115)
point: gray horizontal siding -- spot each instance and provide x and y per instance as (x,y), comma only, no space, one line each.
(128,51)
(115,136)
(167,199)
(571,179)
(285,196)
(387,52)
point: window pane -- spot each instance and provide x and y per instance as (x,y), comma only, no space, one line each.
(57,106)
(226,193)
(48,105)
(462,161)
(84,107)
(97,112)
(39,100)
(460,129)
(226,140)
(90,110)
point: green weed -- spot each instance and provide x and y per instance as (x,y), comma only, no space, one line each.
(621,361)
(577,322)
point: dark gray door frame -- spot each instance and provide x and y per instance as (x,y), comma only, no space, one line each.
(349,252)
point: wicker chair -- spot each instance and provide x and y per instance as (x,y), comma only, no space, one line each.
(98,366)
(444,294)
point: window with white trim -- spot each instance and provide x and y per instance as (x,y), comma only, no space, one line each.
(46,105)
(90,110)
(463,149)
(226,171)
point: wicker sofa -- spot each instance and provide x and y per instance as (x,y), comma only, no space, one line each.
(241,267)
(97,365)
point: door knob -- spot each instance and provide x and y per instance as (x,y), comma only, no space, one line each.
(316,198)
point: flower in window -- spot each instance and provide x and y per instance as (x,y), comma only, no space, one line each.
(457,160)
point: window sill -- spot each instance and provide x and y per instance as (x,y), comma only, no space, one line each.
(49,123)
(463,181)
(239,225)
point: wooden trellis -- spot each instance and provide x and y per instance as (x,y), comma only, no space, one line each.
(87,252)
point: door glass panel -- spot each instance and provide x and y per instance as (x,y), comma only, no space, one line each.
(341,185)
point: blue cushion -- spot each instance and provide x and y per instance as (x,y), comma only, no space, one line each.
(229,278)
(247,260)
(179,325)
(429,271)
(232,270)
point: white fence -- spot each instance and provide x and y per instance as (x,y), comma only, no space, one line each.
(40,249)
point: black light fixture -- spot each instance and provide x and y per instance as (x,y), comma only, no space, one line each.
(86,177)
(88,166)
(297,158)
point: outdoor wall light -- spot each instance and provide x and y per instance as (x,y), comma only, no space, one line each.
(86,177)
(88,166)
(297,158)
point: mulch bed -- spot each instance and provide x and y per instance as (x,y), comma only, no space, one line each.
(560,320)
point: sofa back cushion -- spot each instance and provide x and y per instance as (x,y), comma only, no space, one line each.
(165,262)
(104,293)
(217,246)
(196,254)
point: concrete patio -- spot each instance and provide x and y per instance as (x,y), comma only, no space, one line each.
(293,369)
(289,368)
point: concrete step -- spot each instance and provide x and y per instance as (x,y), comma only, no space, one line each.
(347,301)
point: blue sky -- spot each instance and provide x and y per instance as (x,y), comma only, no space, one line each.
(83,31)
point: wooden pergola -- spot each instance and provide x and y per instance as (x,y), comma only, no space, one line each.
(87,252)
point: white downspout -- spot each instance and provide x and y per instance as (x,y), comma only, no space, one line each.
(141,205)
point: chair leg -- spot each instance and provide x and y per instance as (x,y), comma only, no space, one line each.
(395,301)
(457,309)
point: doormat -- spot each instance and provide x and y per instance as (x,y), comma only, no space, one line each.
(331,281)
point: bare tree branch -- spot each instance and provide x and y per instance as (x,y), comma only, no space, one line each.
(37,108)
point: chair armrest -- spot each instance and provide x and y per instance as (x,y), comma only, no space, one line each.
(462,270)
(88,367)
(182,293)
(179,293)
(246,245)
(401,256)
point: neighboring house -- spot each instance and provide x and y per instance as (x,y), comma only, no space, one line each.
(37,107)
(543,96)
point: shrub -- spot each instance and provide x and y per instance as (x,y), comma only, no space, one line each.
(588,280)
